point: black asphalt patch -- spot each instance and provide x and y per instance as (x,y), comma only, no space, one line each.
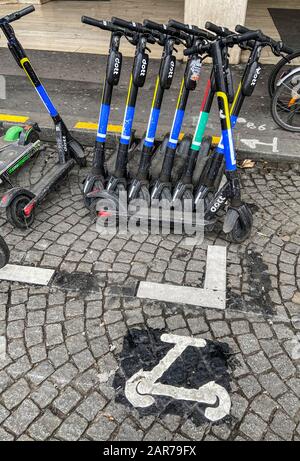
(76,281)
(143,350)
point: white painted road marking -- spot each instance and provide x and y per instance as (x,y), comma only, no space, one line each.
(183,295)
(212,296)
(142,386)
(26,274)
(2,348)
(215,276)
(253,143)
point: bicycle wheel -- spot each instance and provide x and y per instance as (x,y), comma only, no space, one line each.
(282,68)
(286,104)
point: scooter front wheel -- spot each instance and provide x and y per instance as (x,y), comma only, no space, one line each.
(4,253)
(242,227)
(15,212)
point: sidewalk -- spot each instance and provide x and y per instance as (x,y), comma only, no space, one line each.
(74,82)
(73,345)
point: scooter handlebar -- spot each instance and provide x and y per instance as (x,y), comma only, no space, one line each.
(220,31)
(18,14)
(163,29)
(136,27)
(190,30)
(277,45)
(104,25)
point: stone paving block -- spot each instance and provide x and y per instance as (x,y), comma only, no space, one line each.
(45,394)
(91,406)
(66,401)
(72,428)
(43,427)
(101,429)
(21,418)
(15,394)
(253,427)
(283,426)
(272,384)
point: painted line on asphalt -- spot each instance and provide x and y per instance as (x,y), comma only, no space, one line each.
(212,296)
(13,118)
(26,274)
(118,129)
(94,127)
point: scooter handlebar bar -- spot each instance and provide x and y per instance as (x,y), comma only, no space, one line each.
(104,25)
(163,29)
(220,31)
(190,30)
(280,46)
(232,39)
(17,15)
(134,26)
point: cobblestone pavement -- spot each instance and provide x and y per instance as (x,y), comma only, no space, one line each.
(66,354)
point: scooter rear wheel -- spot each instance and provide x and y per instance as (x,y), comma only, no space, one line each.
(4,253)
(15,212)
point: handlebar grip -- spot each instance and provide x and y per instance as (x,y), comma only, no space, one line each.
(191,51)
(27,10)
(218,30)
(248,36)
(190,30)
(123,23)
(18,14)
(178,25)
(165,30)
(134,27)
(93,22)
(155,26)
(242,29)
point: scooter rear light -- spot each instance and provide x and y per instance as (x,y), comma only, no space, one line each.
(104,214)
(4,199)
(28,209)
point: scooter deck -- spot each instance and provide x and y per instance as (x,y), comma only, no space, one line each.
(157,217)
(13,156)
(46,183)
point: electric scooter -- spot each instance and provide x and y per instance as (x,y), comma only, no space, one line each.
(162,187)
(139,187)
(17,146)
(20,203)
(118,181)
(96,179)
(211,177)
(200,146)
(238,219)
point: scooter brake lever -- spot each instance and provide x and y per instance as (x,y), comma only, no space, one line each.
(148,49)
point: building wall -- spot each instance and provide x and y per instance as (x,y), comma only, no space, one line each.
(221,12)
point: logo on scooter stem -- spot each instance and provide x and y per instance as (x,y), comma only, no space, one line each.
(217,205)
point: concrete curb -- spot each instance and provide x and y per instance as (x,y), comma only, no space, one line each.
(87,138)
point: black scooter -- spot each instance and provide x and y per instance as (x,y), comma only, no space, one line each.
(238,219)
(161,189)
(20,203)
(118,181)
(139,187)
(96,179)
(211,177)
